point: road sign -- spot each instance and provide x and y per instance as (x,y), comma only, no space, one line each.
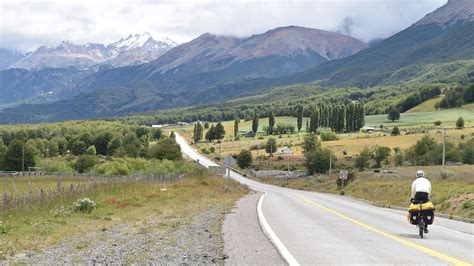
(229,161)
(343,175)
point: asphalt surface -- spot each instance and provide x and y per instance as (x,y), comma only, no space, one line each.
(318,228)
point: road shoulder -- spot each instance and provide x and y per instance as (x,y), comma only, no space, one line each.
(244,241)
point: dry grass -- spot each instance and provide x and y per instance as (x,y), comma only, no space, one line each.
(25,184)
(426,106)
(124,203)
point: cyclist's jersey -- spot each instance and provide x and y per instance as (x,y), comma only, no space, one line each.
(421,184)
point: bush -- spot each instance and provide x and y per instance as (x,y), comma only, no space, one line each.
(271,146)
(460,123)
(395,131)
(84,163)
(212,149)
(84,205)
(244,159)
(437,123)
(166,148)
(327,135)
(362,159)
(317,161)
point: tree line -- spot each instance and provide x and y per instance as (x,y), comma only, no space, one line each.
(339,117)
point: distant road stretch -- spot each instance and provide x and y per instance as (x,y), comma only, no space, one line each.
(317,228)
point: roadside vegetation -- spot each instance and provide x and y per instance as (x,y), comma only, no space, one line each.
(140,206)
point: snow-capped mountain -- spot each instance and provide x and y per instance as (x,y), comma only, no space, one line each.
(138,49)
(133,50)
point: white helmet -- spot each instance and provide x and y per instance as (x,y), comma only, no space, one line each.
(420,173)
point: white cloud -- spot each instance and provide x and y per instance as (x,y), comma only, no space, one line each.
(25,25)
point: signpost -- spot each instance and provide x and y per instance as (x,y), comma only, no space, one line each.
(229,161)
(342,176)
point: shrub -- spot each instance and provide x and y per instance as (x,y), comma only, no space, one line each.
(327,135)
(362,159)
(85,162)
(317,161)
(166,148)
(84,205)
(212,149)
(395,131)
(271,146)
(460,123)
(244,159)
(437,123)
(380,153)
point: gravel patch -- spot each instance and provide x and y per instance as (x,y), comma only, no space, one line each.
(169,241)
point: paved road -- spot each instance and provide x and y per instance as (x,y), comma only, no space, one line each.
(318,228)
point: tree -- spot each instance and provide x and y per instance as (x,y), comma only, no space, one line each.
(114,145)
(393,114)
(310,143)
(299,116)
(197,136)
(317,160)
(101,143)
(271,123)
(16,152)
(219,131)
(3,151)
(236,128)
(166,148)
(244,159)
(380,153)
(425,152)
(156,133)
(78,147)
(362,160)
(206,125)
(91,150)
(460,123)
(211,133)
(85,162)
(399,157)
(395,131)
(255,122)
(468,152)
(271,146)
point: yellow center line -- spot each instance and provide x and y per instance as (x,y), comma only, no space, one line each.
(426,250)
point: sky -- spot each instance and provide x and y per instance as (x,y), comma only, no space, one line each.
(25,25)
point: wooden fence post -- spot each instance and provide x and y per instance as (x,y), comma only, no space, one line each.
(5,199)
(58,184)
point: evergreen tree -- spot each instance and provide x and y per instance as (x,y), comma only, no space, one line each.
(255,122)
(299,117)
(211,133)
(460,123)
(271,146)
(271,123)
(236,128)
(219,131)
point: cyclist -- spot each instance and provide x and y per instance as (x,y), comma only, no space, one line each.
(421,189)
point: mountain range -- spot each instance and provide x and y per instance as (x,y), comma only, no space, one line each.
(214,68)
(133,50)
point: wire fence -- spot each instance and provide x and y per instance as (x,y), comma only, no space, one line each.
(83,184)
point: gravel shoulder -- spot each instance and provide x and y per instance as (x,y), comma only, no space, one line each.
(244,241)
(195,240)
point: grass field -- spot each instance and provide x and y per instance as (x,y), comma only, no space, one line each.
(426,106)
(452,196)
(131,203)
(447,117)
(25,184)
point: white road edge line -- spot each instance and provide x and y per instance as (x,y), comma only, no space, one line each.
(273,237)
